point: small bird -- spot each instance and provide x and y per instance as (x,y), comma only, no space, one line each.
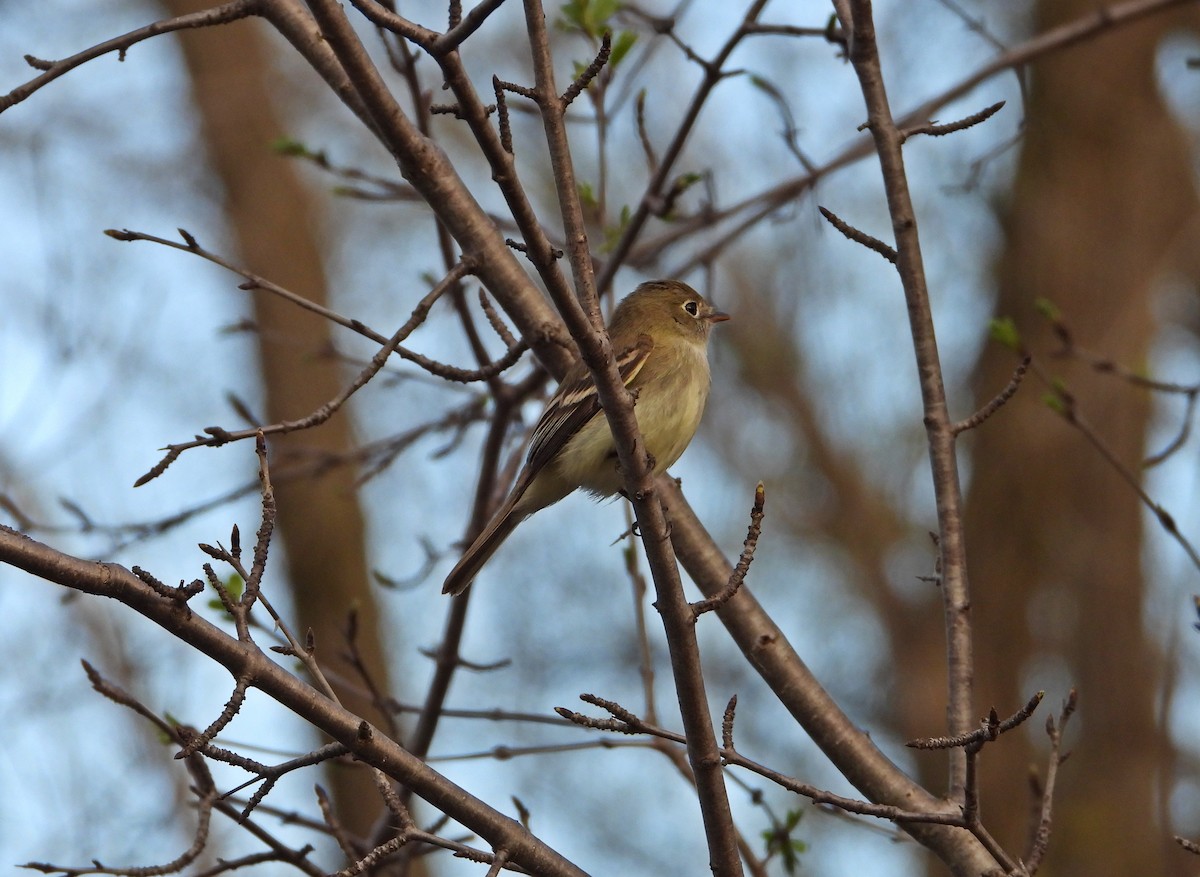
(659,336)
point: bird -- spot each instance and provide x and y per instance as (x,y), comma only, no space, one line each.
(659,335)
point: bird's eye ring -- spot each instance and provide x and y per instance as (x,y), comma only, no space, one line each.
(691,307)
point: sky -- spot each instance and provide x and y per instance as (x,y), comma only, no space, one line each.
(111,350)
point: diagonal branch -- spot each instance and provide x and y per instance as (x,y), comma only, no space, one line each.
(364,741)
(52,70)
(218,436)
(430,171)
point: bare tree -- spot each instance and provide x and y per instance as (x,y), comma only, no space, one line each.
(491,166)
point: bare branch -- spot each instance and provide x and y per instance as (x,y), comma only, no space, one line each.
(859,237)
(864,57)
(1065,405)
(990,728)
(743,565)
(1041,836)
(110,580)
(1190,845)
(219,436)
(625,722)
(223,14)
(749,211)
(713,73)
(727,724)
(584,79)
(935,130)
(255,282)
(997,402)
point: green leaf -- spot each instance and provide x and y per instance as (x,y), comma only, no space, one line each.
(602,11)
(620,47)
(588,195)
(588,16)
(779,841)
(163,737)
(572,14)
(1059,399)
(290,147)
(235,585)
(1004,331)
(1047,308)
(612,234)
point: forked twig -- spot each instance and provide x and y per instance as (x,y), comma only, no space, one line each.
(1041,836)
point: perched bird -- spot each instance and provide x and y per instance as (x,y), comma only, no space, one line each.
(659,335)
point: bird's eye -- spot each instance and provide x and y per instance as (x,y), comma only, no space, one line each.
(691,307)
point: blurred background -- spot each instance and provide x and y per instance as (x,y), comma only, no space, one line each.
(1081,191)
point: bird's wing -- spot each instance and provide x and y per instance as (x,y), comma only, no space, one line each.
(576,402)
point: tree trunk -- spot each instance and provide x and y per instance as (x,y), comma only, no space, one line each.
(270,215)
(1103,191)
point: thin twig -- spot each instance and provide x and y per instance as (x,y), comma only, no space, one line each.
(222,14)
(1041,837)
(625,722)
(990,728)
(743,565)
(998,401)
(713,73)
(935,130)
(1066,406)
(336,830)
(751,210)
(256,282)
(859,237)
(584,79)
(1190,845)
(218,436)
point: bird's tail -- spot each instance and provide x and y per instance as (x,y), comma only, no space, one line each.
(484,546)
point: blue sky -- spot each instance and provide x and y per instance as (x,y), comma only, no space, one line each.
(111,350)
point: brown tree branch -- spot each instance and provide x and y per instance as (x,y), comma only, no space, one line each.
(219,435)
(766,647)
(585,324)
(365,742)
(1041,835)
(223,14)
(430,171)
(625,722)
(864,57)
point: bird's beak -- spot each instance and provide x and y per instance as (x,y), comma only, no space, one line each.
(715,316)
